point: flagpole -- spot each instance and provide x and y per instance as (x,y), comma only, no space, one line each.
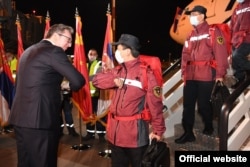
(79,56)
(113,13)
(105,95)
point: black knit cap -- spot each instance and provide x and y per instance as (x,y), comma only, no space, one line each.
(199,9)
(128,40)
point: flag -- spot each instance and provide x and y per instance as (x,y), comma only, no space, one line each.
(107,63)
(177,17)
(47,24)
(82,98)
(6,87)
(19,40)
(107,56)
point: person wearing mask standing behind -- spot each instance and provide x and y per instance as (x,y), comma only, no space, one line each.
(240,32)
(35,114)
(67,106)
(11,54)
(93,66)
(12,59)
(202,64)
(127,135)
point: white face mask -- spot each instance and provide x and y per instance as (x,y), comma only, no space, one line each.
(240,1)
(194,20)
(118,57)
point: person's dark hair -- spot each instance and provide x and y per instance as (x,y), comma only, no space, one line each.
(59,28)
(93,49)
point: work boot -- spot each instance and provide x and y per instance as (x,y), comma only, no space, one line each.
(208,131)
(186,137)
(89,136)
(8,129)
(72,132)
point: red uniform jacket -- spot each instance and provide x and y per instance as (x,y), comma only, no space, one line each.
(198,55)
(240,24)
(129,101)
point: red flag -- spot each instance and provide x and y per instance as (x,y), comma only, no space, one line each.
(19,40)
(107,63)
(82,98)
(177,17)
(47,24)
(107,57)
(6,87)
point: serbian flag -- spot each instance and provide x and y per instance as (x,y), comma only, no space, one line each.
(82,98)
(107,63)
(177,17)
(47,24)
(6,87)
(19,40)
(107,56)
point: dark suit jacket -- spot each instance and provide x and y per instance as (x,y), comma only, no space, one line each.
(40,72)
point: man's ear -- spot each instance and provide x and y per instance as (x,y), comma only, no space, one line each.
(128,51)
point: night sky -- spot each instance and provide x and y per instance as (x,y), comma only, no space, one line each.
(149,20)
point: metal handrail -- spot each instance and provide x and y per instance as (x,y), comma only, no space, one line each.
(225,111)
(167,71)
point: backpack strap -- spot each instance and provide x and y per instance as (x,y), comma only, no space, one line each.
(211,33)
(144,76)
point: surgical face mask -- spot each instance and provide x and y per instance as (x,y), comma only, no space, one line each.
(118,57)
(194,20)
(240,1)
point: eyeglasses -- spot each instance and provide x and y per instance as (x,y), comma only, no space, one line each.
(69,39)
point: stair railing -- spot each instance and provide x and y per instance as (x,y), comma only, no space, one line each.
(234,125)
(172,97)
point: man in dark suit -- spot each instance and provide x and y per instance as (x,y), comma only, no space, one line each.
(35,113)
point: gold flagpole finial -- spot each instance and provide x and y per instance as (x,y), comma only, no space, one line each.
(47,15)
(108,9)
(17,18)
(76,13)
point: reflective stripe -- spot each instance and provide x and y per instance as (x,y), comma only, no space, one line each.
(90,131)
(200,37)
(99,132)
(92,71)
(92,91)
(247,9)
(96,67)
(72,125)
(132,82)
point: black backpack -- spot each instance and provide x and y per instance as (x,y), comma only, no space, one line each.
(157,155)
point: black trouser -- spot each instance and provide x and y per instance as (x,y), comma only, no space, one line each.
(123,157)
(200,92)
(100,129)
(36,148)
(67,106)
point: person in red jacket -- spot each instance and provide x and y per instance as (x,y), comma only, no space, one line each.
(129,136)
(203,63)
(240,32)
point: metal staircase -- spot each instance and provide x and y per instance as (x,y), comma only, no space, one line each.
(231,133)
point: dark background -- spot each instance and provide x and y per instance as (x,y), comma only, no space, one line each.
(149,20)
